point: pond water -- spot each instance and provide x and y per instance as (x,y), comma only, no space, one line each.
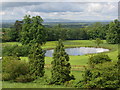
(78,51)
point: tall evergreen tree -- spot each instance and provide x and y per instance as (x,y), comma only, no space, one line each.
(36,60)
(60,65)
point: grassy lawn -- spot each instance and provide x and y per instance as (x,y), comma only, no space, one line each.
(74,60)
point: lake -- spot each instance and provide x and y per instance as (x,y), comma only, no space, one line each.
(78,51)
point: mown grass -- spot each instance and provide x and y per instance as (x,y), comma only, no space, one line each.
(74,60)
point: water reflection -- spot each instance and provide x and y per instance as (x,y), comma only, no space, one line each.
(79,51)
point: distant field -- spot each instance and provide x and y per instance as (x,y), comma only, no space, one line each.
(77,62)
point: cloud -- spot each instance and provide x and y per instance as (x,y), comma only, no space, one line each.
(60,1)
(6,5)
(109,9)
(66,10)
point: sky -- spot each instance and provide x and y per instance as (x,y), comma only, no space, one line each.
(74,11)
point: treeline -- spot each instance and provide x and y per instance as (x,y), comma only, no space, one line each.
(69,25)
(57,32)
(109,32)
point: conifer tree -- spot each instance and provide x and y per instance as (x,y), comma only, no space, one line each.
(36,61)
(60,65)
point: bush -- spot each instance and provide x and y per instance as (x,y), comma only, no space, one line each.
(98,41)
(16,50)
(8,50)
(15,68)
(24,78)
(99,58)
(22,50)
(102,76)
(7,60)
(6,76)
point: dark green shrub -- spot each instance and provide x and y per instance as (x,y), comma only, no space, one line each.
(22,50)
(6,76)
(16,50)
(102,76)
(8,50)
(99,58)
(24,78)
(8,60)
(14,67)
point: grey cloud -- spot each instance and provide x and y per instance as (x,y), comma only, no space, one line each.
(61,10)
(6,5)
(46,7)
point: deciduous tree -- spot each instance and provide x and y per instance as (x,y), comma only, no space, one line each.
(113,32)
(33,31)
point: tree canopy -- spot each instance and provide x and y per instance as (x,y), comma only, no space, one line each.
(113,32)
(33,31)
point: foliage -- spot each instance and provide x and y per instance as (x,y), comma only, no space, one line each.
(6,76)
(33,31)
(24,78)
(13,68)
(36,61)
(97,30)
(10,50)
(12,33)
(98,41)
(99,58)
(17,29)
(74,60)
(56,33)
(77,34)
(113,32)
(60,65)
(102,76)
(7,34)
